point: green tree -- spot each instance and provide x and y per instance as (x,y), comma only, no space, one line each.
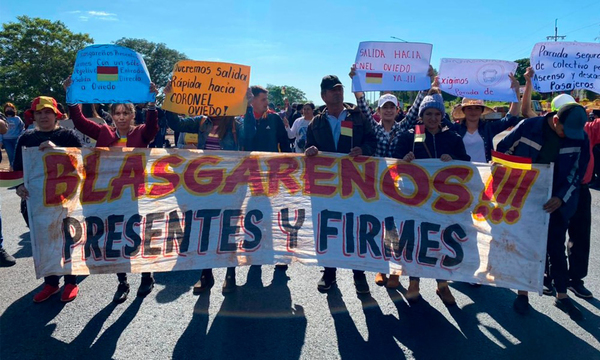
(36,55)
(523,64)
(158,57)
(292,93)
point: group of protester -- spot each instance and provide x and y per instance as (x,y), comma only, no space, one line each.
(563,137)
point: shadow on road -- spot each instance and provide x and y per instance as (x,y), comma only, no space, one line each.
(25,323)
(35,340)
(534,335)
(351,344)
(25,247)
(254,322)
(176,284)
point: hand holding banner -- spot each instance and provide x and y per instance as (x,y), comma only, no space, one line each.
(566,66)
(208,88)
(371,213)
(109,74)
(383,66)
(478,79)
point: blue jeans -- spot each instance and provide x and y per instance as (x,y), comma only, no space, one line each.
(10,145)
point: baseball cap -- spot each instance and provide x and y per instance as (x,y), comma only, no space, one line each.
(387,98)
(329,82)
(573,118)
(561,100)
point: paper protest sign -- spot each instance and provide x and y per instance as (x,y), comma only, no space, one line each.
(382,66)
(477,79)
(566,66)
(208,88)
(109,74)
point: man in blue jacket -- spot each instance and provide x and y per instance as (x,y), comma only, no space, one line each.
(263,128)
(556,138)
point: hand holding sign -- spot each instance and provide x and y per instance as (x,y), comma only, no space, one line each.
(249,95)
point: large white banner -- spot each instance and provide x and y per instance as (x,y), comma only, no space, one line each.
(383,66)
(134,210)
(477,79)
(566,66)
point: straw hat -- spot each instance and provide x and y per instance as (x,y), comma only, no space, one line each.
(458,113)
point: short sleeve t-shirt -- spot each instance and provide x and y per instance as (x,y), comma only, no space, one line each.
(475,146)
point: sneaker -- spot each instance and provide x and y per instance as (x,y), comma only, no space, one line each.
(69,292)
(45,294)
(521,304)
(446,295)
(146,286)
(229,284)
(393,282)
(6,259)
(326,281)
(380,279)
(121,294)
(206,282)
(567,306)
(282,267)
(413,292)
(578,289)
(360,282)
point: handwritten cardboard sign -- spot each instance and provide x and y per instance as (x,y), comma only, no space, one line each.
(565,66)
(477,79)
(382,66)
(208,88)
(109,74)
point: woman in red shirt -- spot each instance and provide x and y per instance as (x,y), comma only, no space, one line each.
(123,134)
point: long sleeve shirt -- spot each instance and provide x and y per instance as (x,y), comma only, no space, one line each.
(387,141)
(139,136)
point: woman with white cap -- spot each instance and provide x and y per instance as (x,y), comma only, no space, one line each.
(388,132)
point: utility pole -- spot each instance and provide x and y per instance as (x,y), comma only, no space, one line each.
(556,36)
(393,37)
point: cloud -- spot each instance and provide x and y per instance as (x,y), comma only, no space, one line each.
(101,13)
(97,15)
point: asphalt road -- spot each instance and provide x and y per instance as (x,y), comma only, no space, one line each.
(277,315)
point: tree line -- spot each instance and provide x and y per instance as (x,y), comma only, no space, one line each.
(37,54)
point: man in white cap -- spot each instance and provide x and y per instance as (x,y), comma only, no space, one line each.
(581,222)
(556,138)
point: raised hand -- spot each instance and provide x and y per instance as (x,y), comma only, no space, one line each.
(67,82)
